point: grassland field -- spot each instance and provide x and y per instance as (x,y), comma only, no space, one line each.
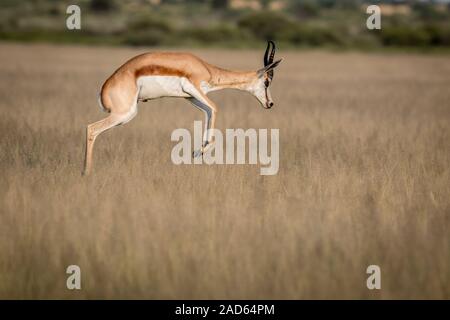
(364,179)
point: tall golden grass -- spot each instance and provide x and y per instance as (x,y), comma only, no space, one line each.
(364,179)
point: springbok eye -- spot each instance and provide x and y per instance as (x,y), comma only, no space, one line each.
(266,83)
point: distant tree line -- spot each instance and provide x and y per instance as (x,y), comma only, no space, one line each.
(301,23)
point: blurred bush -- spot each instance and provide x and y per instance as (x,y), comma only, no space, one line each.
(438,35)
(147,30)
(216,34)
(103,5)
(422,36)
(314,36)
(267,25)
(306,9)
(404,36)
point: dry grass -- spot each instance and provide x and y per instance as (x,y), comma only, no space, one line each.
(364,179)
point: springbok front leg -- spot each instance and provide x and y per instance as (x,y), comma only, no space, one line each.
(202,102)
(210,119)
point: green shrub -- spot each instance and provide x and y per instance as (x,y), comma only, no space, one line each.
(215,34)
(405,36)
(429,12)
(305,9)
(219,4)
(439,35)
(314,36)
(147,30)
(103,5)
(148,23)
(145,38)
(267,25)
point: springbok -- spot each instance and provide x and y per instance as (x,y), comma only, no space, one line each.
(169,74)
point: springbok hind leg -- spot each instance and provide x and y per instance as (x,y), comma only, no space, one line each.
(96,128)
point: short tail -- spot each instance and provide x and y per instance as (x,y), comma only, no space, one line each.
(102,105)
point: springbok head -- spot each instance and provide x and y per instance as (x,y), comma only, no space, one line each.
(265,76)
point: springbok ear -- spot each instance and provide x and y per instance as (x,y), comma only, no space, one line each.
(269,67)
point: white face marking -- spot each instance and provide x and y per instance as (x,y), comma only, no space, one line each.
(258,89)
(152,87)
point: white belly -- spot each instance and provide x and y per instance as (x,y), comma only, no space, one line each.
(152,87)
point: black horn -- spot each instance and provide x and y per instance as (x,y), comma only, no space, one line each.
(270,53)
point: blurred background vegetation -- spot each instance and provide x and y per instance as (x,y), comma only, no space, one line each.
(231,23)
